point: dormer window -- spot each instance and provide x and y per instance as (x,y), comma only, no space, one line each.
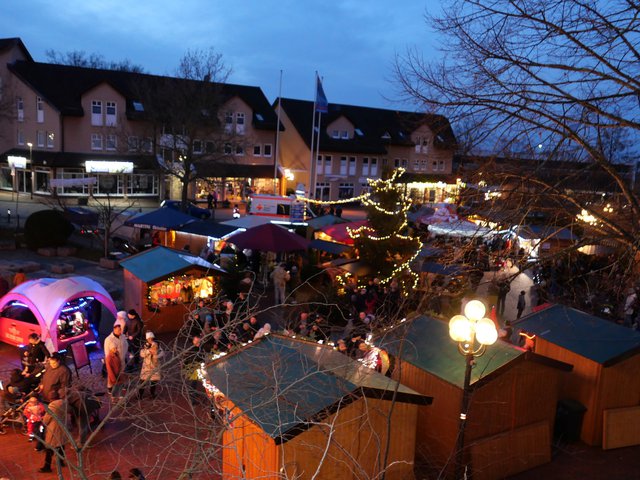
(386,136)
(359,132)
(259,117)
(345,135)
(335,134)
(138,107)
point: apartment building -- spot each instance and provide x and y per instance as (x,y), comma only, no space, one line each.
(74,132)
(357,143)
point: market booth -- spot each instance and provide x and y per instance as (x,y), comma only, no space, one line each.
(162,284)
(60,310)
(513,399)
(605,382)
(302,410)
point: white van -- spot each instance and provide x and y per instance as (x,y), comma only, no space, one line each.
(286,209)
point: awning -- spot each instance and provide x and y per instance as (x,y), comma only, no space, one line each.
(432,267)
(160,219)
(329,247)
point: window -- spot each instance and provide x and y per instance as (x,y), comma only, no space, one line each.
(365,166)
(259,117)
(111,114)
(404,163)
(365,188)
(441,165)
(138,107)
(147,145)
(112,142)
(335,134)
(416,164)
(50,139)
(327,165)
(423,165)
(39,110)
(319,166)
(345,135)
(374,167)
(96,141)
(434,165)
(343,165)
(133,143)
(345,190)
(240,123)
(40,138)
(352,165)
(385,162)
(239,150)
(20,138)
(359,132)
(96,112)
(267,149)
(20,105)
(209,147)
(323,191)
(257,150)
(197,146)
(228,122)
(227,149)
(396,162)
(422,145)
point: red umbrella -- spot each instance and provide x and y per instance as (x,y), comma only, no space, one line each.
(269,238)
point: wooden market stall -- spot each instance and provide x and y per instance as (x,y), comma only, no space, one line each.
(200,236)
(162,284)
(303,410)
(513,399)
(605,379)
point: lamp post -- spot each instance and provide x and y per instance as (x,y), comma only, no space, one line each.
(473,332)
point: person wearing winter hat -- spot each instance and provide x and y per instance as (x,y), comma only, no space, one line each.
(150,371)
(121,318)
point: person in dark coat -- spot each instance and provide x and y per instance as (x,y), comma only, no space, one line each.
(521,304)
(56,379)
(133,331)
(55,435)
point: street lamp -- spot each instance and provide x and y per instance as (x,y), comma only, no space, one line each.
(473,332)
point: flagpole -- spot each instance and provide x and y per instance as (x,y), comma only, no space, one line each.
(277,152)
(315,170)
(312,187)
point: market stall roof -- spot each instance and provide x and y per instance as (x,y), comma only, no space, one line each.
(318,222)
(248,221)
(425,343)
(303,380)
(592,337)
(47,296)
(339,232)
(330,247)
(460,228)
(549,231)
(160,219)
(437,268)
(208,229)
(160,262)
(269,238)
(428,251)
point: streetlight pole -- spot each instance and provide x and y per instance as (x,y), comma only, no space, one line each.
(473,332)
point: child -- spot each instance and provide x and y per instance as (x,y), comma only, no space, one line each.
(34,413)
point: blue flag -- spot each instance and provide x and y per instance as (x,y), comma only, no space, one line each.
(321,99)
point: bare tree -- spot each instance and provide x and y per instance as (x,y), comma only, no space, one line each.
(184,114)
(550,82)
(80,58)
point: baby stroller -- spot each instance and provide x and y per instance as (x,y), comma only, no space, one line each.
(14,398)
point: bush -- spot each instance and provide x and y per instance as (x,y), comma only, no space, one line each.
(47,228)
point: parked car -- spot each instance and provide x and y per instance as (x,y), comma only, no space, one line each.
(192,209)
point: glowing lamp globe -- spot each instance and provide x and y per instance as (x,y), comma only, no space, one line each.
(474,310)
(486,332)
(460,329)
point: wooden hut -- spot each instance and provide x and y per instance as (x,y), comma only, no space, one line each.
(605,378)
(302,410)
(161,284)
(513,399)
(199,236)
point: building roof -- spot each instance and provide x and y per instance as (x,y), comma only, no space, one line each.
(284,385)
(9,43)
(425,343)
(63,86)
(592,337)
(379,128)
(160,262)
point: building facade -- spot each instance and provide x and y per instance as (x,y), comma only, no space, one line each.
(67,131)
(353,144)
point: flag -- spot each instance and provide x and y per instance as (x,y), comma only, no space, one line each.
(321,99)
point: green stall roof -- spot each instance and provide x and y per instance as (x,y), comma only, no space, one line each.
(160,262)
(425,343)
(284,385)
(592,337)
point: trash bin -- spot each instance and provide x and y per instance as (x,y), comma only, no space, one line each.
(569,415)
